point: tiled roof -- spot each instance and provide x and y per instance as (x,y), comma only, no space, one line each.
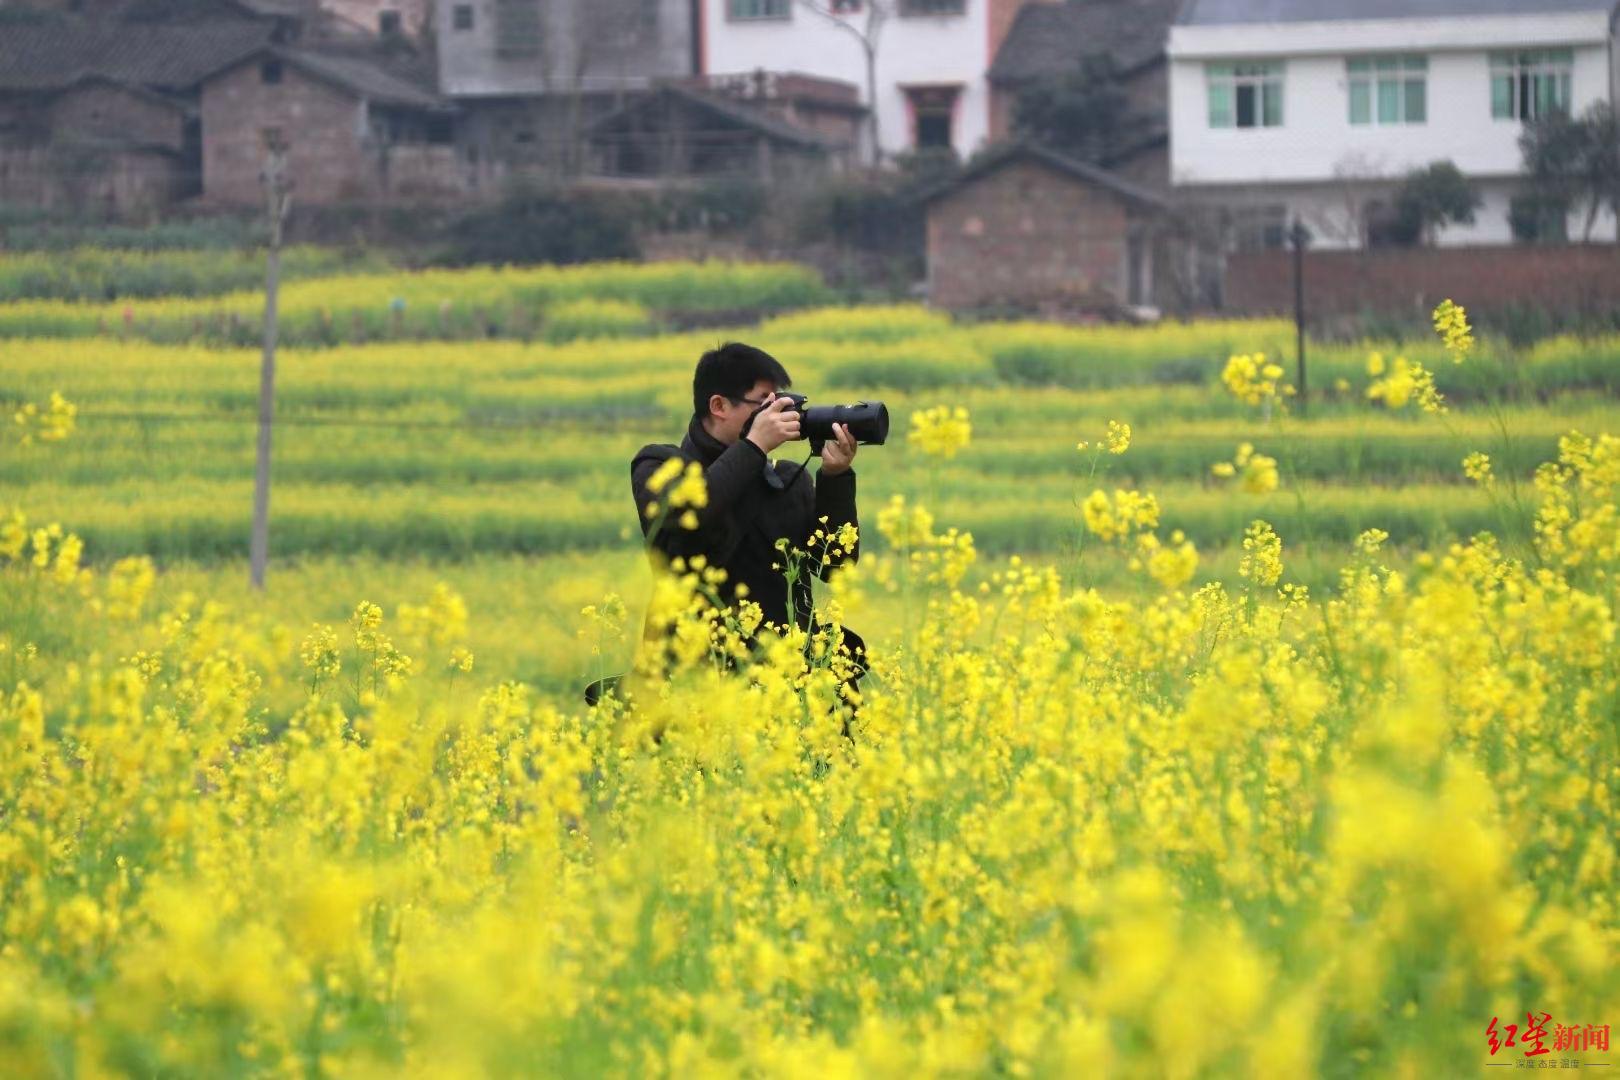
(745,115)
(1052,39)
(52,54)
(992,160)
(364,77)
(1240,12)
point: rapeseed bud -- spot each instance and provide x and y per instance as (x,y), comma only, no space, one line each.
(1258,471)
(1262,555)
(1171,565)
(1451,323)
(1406,381)
(52,423)
(319,652)
(1117,519)
(1253,379)
(1477,467)
(940,431)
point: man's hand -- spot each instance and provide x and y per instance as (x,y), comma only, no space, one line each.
(776,422)
(836,457)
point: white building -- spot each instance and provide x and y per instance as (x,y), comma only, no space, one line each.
(1316,109)
(932,57)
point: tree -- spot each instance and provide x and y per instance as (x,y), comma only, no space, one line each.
(1431,198)
(603,32)
(866,32)
(1084,113)
(1575,160)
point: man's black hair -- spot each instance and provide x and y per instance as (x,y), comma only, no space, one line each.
(731,371)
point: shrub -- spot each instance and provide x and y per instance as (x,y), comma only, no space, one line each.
(537,225)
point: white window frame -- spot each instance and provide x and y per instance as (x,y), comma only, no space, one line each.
(1391,79)
(1265,79)
(1525,72)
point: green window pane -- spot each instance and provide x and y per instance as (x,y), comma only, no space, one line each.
(1389,101)
(1386,63)
(1417,101)
(1502,97)
(1217,71)
(1272,105)
(1417,63)
(1220,105)
(1360,102)
(1360,66)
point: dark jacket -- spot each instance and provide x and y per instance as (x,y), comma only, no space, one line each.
(747,513)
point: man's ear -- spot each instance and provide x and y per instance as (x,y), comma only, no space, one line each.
(717,404)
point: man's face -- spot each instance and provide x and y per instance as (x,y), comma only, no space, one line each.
(727,417)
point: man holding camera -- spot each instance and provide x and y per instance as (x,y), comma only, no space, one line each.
(739,419)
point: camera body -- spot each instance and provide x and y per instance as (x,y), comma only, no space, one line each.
(867,421)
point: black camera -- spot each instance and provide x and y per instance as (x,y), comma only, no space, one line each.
(867,421)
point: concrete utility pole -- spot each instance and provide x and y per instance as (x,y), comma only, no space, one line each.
(278,197)
(1298,237)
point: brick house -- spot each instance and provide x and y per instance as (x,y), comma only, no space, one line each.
(689,130)
(1026,228)
(103,114)
(353,129)
(132,105)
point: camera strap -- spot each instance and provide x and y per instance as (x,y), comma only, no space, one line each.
(774,480)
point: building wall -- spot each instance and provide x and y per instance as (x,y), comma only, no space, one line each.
(912,51)
(112,111)
(414,14)
(574,39)
(1573,279)
(1316,135)
(1025,235)
(324,128)
(63,177)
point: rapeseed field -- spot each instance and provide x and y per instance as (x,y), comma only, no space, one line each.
(1203,738)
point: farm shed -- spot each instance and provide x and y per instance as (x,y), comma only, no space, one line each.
(1024,227)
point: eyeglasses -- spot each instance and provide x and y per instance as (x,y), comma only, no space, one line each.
(749,401)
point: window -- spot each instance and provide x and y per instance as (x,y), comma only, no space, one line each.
(1389,90)
(1245,95)
(270,71)
(1528,84)
(388,22)
(932,7)
(1259,228)
(517,28)
(760,9)
(933,112)
(845,7)
(461,17)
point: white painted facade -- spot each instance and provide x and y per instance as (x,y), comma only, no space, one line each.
(913,51)
(1321,166)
